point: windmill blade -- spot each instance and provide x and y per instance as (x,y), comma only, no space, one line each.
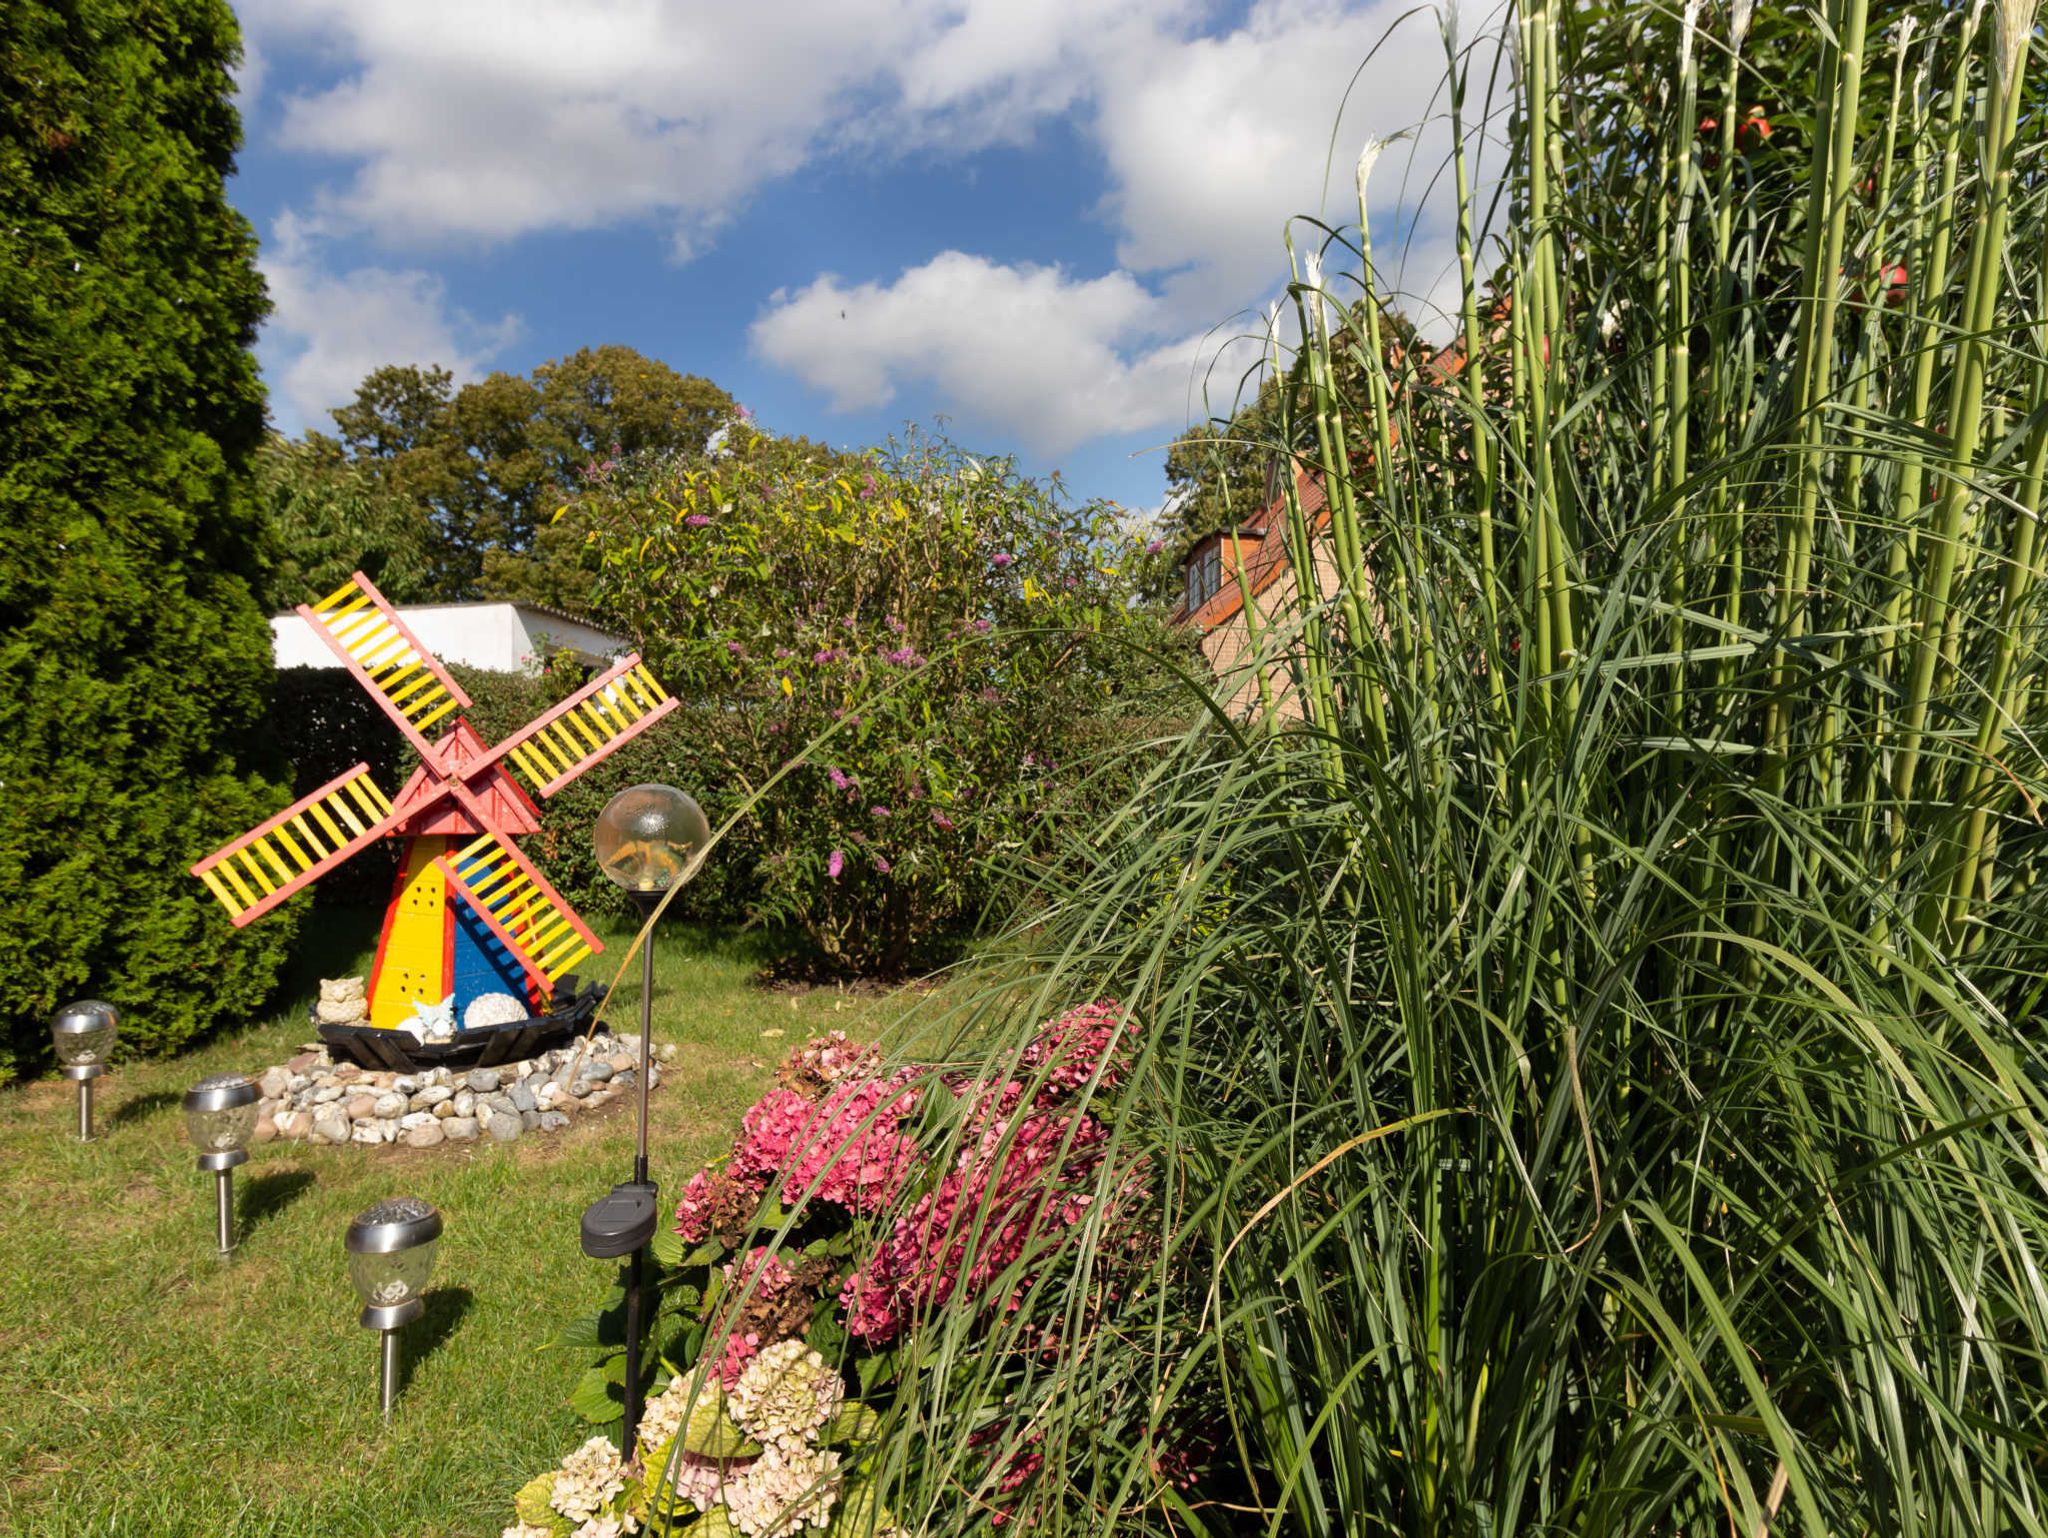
(285,855)
(529,917)
(594,722)
(365,632)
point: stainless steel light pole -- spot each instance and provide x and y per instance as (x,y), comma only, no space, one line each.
(390,1256)
(83,1035)
(220,1114)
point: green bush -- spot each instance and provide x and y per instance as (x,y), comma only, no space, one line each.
(935,648)
(133,658)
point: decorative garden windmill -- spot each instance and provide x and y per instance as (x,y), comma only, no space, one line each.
(469,915)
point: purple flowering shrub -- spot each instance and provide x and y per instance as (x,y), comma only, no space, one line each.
(945,643)
(858,1208)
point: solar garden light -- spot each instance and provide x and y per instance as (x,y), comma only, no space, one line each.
(646,837)
(220,1113)
(390,1257)
(83,1034)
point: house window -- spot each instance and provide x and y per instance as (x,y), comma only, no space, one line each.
(1204,575)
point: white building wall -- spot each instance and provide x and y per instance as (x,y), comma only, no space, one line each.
(503,637)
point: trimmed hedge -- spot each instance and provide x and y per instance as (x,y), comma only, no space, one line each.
(134,661)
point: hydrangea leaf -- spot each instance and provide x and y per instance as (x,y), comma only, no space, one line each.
(594,1400)
(860,1512)
(667,1248)
(531,1504)
(709,1431)
(853,1423)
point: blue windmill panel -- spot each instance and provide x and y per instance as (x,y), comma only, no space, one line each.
(482,963)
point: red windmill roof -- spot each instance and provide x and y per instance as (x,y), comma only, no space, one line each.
(503,799)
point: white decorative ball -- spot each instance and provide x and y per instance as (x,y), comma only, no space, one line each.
(493,1009)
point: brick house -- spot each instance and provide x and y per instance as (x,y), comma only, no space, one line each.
(1212,598)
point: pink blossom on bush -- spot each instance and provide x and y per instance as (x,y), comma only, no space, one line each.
(1069,1048)
(836,864)
(693,1211)
(770,1131)
(732,1361)
(853,1154)
(758,1275)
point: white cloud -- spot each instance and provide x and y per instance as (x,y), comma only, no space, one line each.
(474,120)
(328,330)
(1053,359)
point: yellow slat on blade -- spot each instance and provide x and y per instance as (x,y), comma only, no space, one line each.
(283,839)
(227,874)
(547,955)
(621,699)
(448,703)
(253,869)
(356,630)
(398,695)
(362,799)
(547,933)
(654,688)
(335,804)
(268,845)
(338,594)
(213,885)
(566,962)
(595,717)
(388,676)
(383,801)
(328,824)
(544,755)
(373,638)
(566,747)
(592,742)
(310,836)
(530,766)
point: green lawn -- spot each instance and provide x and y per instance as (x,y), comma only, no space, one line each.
(151,1390)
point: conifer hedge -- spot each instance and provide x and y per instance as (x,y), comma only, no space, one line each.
(134,660)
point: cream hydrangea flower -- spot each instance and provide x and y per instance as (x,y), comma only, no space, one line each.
(527,1530)
(783,1491)
(663,1416)
(785,1395)
(590,1477)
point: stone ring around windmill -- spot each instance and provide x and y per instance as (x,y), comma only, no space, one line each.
(470,916)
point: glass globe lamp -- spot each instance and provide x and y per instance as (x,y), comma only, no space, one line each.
(83,1036)
(390,1257)
(220,1115)
(647,838)
(647,835)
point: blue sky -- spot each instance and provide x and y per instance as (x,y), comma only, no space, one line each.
(1029,217)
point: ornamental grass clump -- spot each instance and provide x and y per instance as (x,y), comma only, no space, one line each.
(1592,948)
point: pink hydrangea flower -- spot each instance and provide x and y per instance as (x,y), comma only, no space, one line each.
(693,1210)
(697,520)
(1001,559)
(836,864)
(732,1361)
(758,1274)
(769,1132)
(853,1153)
(1070,1047)
(839,779)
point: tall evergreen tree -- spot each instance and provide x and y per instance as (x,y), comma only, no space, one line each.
(134,659)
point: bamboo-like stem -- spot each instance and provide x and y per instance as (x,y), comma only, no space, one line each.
(1832,183)
(1966,417)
